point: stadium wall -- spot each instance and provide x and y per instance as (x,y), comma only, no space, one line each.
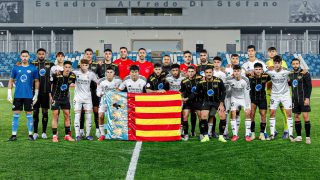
(213,40)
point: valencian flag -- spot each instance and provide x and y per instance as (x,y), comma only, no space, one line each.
(143,117)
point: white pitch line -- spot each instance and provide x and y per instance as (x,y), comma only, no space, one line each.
(134,161)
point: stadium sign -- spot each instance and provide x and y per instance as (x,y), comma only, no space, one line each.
(154,3)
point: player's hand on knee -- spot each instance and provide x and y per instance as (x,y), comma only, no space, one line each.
(307,102)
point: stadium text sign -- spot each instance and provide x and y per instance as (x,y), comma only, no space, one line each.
(152,3)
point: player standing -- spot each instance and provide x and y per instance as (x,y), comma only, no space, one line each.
(240,97)
(109,83)
(258,99)
(134,83)
(272,51)
(301,91)
(102,69)
(82,97)
(24,76)
(124,63)
(187,57)
(280,93)
(146,68)
(156,81)
(44,67)
(188,88)
(166,64)
(212,91)
(204,63)
(60,99)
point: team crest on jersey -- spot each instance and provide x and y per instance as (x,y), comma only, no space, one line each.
(160,86)
(258,87)
(93,67)
(28,71)
(210,92)
(42,72)
(295,83)
(215,86)
(63,87)
(299,77)
(47,66)
(202,73)
(23,78)
(193,89)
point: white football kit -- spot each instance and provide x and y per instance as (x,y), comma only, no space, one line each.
(105,85)
(280,92)
(137,86)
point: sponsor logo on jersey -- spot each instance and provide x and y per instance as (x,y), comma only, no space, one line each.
(42,72)
(210,92)
(160,86)
(202,73)
(295,83)
(258,87)
(63,87)
(193,89)
(23,78)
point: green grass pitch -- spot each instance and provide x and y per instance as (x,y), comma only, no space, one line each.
(43,159)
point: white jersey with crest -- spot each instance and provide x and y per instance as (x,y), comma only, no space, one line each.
(249,66)
(105,85)
(133,86)
(279,81)
(220,75)
(54,69)
(239,88)
(174,83)
(82,92)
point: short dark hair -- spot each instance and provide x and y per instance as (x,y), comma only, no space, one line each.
(272,49)
(235,55)
(84,61)
(217,58)
(24,51)
(166,55)
(251,47)
(236,67)
(208,67)
(134,68)
(186,52)
(109,68)
(191,67)
(67,62)
(295,59)
(124,48)
(142,49)
(277,58)
(107,50)
(157,65)
(41,49)
(174,66)
(257,65)
(88,49)
(203,51)
(60,54)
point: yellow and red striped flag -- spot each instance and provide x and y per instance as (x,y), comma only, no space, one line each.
(156,116)
(143,116)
